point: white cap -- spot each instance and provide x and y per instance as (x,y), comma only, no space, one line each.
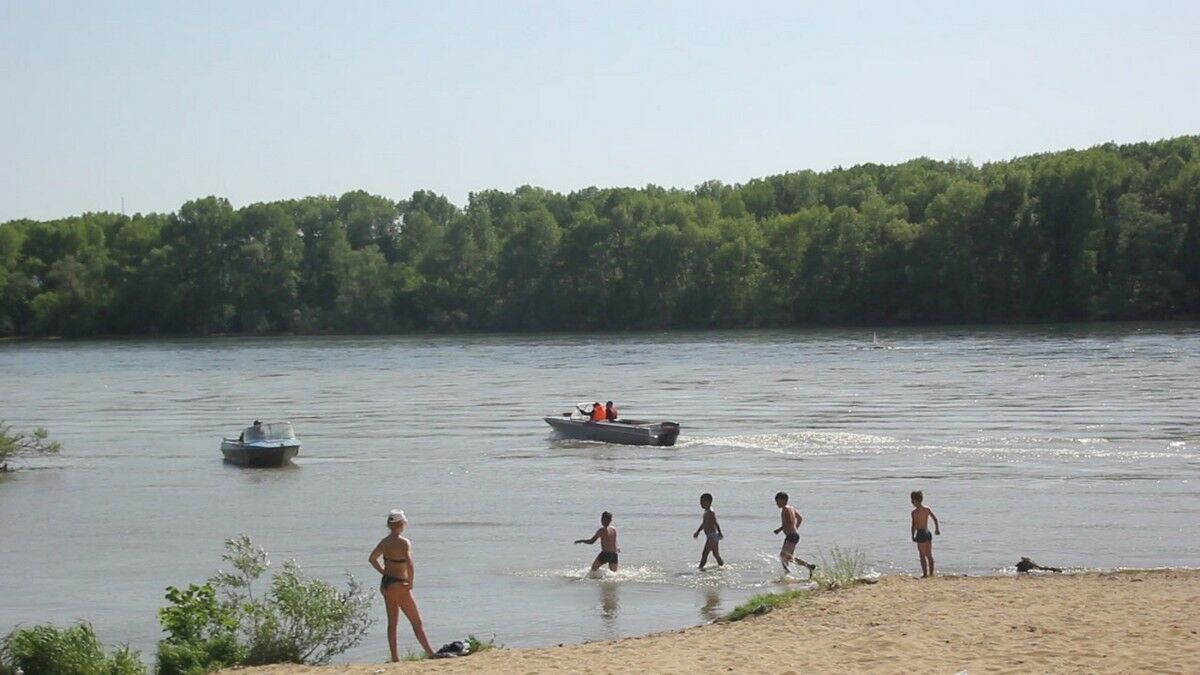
(396,516)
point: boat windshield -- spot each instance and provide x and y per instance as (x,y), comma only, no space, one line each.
(276,431)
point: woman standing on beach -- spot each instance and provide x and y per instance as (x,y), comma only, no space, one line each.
(397,582)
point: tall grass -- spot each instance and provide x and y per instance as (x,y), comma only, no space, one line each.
(842,568)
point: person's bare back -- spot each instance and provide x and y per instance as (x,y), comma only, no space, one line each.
(920,517)
(608,539)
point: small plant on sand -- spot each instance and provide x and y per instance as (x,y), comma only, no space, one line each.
(843,567)
(413,655)
(49,650)
(763,603)
(14,445)
(475,645)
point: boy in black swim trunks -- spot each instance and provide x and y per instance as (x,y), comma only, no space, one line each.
(920,531)
(607,534)
(790,526)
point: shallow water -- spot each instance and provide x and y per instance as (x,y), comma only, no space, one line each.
(1078,446)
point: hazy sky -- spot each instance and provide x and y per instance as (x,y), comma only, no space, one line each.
(167,101)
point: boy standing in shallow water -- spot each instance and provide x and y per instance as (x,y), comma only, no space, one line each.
(712,532)
(790,526)
(607,534)
(920,532)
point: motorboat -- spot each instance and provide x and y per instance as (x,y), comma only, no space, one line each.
(260,444)
(576,424)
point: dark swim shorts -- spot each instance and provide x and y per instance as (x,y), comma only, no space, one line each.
(608,557)
(923,536)
(793,538)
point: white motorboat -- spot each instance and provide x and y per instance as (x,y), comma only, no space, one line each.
(260,444)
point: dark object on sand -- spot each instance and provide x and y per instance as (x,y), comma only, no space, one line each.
(1026,566)
(456,648)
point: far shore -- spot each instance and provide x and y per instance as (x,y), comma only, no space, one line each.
(1096,622)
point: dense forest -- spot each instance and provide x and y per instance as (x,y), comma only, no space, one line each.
(1112,232)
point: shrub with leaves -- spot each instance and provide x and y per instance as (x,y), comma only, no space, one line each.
(49,650)
(297,620)
(201,632)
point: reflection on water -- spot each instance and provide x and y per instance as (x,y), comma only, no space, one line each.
(1060,421)
(711,609)
(610,604)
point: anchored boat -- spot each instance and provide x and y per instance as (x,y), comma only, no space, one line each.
(271,444)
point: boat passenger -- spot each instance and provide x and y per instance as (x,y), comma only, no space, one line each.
(598,414)
(257,432)
(610,411)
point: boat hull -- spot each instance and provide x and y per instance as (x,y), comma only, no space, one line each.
(631,432)
(243,454)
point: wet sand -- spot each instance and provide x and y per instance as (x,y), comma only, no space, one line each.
(1081,623)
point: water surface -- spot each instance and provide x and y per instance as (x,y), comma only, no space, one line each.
(1077,446)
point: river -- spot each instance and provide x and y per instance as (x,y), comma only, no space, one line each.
(1076,445)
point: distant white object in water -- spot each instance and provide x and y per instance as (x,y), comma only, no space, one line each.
(875,344)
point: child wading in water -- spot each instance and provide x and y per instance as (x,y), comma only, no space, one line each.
(607,534)
(920,532)
(790,526)
(712,532)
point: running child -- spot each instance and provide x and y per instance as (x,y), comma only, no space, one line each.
(920,532)
(712,532)
(790,526)
(607,534)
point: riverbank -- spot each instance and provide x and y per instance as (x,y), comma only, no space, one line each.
(1095,622)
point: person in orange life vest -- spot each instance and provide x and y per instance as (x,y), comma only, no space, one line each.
(598,412)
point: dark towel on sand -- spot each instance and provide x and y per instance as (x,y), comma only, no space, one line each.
(456,648)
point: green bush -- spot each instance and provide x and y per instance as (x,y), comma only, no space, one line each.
(201,632)
(48,650)
(223,623)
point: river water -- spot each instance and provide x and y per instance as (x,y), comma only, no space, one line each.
(1076,445)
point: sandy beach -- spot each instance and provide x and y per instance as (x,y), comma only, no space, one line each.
(1080,623)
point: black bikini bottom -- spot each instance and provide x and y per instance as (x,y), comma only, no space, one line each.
(388,580)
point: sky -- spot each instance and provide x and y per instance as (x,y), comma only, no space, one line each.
(156,103)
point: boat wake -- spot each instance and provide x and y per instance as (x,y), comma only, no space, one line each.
(833,443)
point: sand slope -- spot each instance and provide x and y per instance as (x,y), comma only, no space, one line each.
(1110,622)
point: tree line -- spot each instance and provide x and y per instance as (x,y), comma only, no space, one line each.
(1111,232)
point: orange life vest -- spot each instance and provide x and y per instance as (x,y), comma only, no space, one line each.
(598,413)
